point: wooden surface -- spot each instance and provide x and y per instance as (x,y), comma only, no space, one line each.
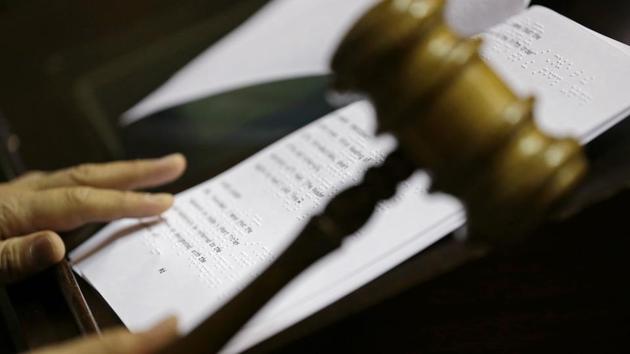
(564,290)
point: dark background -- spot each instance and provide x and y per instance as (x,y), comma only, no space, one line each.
(68,68)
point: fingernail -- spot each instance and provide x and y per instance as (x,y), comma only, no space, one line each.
(159,198)
(165,330)
(167,325)
(42,252)
(170,158)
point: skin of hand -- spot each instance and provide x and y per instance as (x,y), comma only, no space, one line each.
(119,341)
(37,205)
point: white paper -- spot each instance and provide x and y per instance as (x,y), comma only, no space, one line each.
(150,268)
(615,43)
(288,39)
(172,265)
(580,81)
(470,17)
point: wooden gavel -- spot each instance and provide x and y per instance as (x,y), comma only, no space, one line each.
(453,117)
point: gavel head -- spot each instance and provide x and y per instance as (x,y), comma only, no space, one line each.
(455,118)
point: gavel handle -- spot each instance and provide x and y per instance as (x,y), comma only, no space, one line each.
(343,216)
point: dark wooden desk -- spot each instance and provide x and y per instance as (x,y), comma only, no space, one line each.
(562,291)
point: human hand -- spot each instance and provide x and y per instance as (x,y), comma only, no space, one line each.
(34,204)
(119,341)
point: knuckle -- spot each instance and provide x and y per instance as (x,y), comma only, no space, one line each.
(10,217)
(9,261)
(127,202)
(83,174)
(127,199)
(30,178)
(117,340)
(136,165)
(78,195)
(135,168)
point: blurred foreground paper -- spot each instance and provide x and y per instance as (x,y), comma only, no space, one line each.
(292,38)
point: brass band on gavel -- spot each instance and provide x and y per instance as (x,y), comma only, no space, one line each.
(455,118)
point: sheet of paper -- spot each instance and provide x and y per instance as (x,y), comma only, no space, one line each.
(622,46)
(580,81)
(291,38)
(221,233)
(615,43)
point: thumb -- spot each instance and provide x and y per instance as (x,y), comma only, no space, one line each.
(24,255)
(120,341)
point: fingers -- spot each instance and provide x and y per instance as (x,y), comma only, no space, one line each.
(23,256)
(113,175)
(159,336)
(120,341)
(64,209)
